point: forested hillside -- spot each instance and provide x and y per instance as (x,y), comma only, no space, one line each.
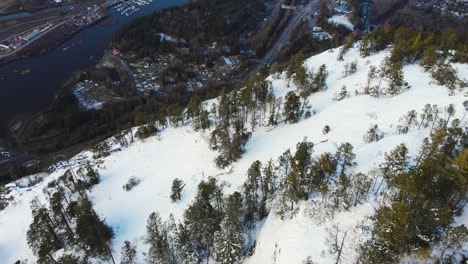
(355,155)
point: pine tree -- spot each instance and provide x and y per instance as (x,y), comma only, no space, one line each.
(239,140)
(68,259)
(202,220)
(176,190)
(198,114)
(341,196)
(454,238)
(444,74)
(292,110)
(373,134)
(396,79)
(342,94)
(95,235)
(229,240)
(322,172)
(42,236)
(427,116)
(345,157)
(348,44)
(319,82)
(156,238)
(269,181)
(371,75)
(365,46)
(59,213)
(251,193)
(128,253)
(175,113)
(224,107)
(302,159)
(360,187)
(284,162)
(396,162)
(430,57)
(408,121)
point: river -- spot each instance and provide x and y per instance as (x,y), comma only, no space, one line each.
(34,92)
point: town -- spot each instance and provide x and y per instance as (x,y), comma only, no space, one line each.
(215,63)
(457,8)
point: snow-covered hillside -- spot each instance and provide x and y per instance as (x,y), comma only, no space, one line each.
(184,153)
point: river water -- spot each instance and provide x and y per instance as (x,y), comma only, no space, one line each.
(34,92)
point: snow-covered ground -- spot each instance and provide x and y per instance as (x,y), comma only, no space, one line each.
(184,153)
(341,20)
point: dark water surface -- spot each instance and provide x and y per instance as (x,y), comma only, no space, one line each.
(34,92)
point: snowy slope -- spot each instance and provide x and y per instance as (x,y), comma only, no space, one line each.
(183,153)
(341,20)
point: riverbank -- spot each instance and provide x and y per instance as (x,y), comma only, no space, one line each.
(55,37)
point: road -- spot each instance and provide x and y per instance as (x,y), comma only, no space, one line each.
(277,8)
(127,68)
(286,35)
(271,55)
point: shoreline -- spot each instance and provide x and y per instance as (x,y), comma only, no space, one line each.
(38,51)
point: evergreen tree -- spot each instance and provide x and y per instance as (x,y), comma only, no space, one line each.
(92,175)
(224,107)
(156,238)
(42,237)
(444,74)
(345,157)
(69,259)
(176,115)
(268,183)
(322,172)
(408,121)
(239,140)
(291,110)
(95,235)
(302,159)
(229,240)
(396,162)
(202,220)
(128,253)
(319,82)
(454,238)
(396,79)
(430,57)
(373,134)
(341,196)
(341,95)
(251,193)
(198,114)
(176,190)
(423,201)
(348,44)
(371,76)
(284,162)
(360,187)
(427,116)
(59,213)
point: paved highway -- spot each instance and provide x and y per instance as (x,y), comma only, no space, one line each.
(286,34)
